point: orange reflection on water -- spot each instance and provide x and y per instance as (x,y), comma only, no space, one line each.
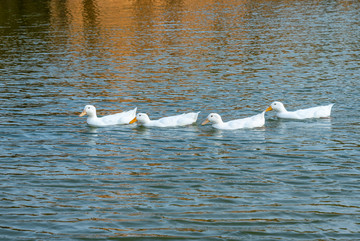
(142,40)
(127,28)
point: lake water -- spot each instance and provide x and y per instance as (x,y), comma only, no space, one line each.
(290,180)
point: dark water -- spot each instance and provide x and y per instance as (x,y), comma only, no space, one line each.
(291,180)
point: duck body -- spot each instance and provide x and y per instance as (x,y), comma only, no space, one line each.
(115,119)
(313,112)
(170,121)
(249,122)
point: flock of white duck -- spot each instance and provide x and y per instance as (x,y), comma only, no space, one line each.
(130,117)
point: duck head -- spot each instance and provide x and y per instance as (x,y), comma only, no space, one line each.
(142,118)
(277,106)
(89,110)
(213,118)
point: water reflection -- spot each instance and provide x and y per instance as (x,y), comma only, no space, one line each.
(90,14)
(158,39)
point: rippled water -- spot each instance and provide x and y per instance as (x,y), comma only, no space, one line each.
(62,180)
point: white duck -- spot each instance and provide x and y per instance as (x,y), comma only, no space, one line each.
(314,112)
(249,122)
(115,119)
(170,121)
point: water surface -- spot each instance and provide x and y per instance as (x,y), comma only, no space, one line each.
(290,180)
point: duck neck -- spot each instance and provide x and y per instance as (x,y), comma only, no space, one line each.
(92,115)
(145,121)
(282,109)
(219,121)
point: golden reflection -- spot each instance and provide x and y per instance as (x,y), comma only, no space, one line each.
(126,28)
(90,13)
(147,41)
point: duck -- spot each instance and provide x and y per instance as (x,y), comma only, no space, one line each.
(108,120)
(313,112)
(170,121)
(248,122)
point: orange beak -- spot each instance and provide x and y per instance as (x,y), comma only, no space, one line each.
(268,109)
(133,121)
(82,113)
(205,122)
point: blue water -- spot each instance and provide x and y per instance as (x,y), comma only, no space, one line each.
(289,180)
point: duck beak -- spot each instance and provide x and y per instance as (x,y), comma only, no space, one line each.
(133,121)
(205,122)
(82,113)
(268,109)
